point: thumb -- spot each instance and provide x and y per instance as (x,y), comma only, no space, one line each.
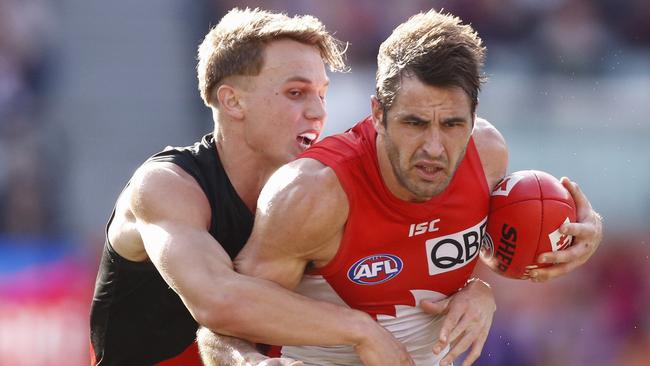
(435,307)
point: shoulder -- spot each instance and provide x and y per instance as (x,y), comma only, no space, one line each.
(304,178)
(163,190)
(306,198)
(492,149)
(487,138)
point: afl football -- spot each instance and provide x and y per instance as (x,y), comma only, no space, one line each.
(527,209)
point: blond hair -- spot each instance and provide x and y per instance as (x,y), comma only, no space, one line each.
(436,48)
(235,46)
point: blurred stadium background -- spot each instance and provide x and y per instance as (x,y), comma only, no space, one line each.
(88,90)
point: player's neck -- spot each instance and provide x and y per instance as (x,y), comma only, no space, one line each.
(246,171)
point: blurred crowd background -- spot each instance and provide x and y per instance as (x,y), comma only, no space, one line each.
(89,90)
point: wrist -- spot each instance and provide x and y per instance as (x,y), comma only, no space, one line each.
(360,329)
(476,280)
(477,286)
(480,289)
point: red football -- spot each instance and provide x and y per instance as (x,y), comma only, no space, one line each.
(527,209)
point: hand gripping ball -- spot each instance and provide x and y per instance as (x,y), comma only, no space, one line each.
(527,209)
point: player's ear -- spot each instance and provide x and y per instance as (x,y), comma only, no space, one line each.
(377,114)
(228,98)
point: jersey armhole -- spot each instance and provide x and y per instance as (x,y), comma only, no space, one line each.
(477,164)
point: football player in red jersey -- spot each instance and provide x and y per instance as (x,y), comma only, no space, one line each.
(336,223)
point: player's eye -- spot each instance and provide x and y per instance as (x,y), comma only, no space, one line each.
(415,122)
(453,123)
(295,93)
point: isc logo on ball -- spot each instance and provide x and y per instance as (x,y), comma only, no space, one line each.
(375,269)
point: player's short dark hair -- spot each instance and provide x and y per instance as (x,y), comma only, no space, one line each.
(235,46)
(436,48)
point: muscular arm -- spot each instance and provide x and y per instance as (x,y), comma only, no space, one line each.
(172,216)
(300,217)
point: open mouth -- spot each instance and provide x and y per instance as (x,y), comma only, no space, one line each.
(429,169)
(429,172)
(306,139)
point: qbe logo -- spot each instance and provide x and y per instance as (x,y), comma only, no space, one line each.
(451,252)
(375,269)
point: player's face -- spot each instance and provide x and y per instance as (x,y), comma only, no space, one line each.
(426,133)
(285,103)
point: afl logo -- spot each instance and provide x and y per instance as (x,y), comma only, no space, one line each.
(375,269)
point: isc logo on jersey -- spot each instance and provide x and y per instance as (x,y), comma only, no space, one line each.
(375,269)
(448,253)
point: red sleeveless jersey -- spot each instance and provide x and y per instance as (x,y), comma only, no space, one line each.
(391,247)
(395,253)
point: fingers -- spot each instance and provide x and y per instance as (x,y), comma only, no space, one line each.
(468,320)
(586,236)
(582,203)
(477,348)
(435,307)
(465,336)
(439,308)
(564,261)
(471,329)
(556,270)
(461,327)
(578,229)
(448,330)
(570,254)
(459,345)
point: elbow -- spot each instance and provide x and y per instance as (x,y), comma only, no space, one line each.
(221,312)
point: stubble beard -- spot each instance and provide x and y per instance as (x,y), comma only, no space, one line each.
(423,191)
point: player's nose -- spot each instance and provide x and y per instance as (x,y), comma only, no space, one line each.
(315,109)
(432,144)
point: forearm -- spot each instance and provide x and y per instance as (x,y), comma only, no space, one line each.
(221,350)
(264,312)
